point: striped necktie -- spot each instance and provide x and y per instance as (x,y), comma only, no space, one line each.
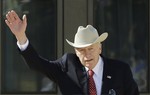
(92,87)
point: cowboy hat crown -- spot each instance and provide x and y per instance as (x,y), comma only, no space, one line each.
(87,36)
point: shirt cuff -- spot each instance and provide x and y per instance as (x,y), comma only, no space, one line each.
(24,46)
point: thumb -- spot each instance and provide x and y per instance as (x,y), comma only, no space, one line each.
(24,19)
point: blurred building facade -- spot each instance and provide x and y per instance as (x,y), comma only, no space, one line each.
(50,22)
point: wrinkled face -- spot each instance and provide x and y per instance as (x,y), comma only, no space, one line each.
(89,56)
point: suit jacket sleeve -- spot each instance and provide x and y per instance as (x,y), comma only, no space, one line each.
(52,69)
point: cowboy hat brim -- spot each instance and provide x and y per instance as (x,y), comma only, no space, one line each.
(100,39)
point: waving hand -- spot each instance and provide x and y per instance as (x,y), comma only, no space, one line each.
(17,26)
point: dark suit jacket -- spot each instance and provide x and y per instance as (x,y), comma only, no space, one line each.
(71,76)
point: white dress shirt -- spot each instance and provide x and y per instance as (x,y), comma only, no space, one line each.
(98,74)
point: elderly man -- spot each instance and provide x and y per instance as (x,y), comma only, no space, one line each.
(86,72)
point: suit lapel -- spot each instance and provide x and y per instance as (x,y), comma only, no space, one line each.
(72,72)
(82,77)
(77,73)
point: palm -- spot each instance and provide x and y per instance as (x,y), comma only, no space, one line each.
(16,25)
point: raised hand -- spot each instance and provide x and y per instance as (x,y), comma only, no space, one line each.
(17,26)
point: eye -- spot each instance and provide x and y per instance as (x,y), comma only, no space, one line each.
(90,49)
(80,50)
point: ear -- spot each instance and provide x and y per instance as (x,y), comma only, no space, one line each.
(100,46)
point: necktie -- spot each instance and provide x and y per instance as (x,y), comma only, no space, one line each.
(92,88)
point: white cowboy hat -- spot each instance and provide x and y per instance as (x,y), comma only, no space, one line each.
(87,36)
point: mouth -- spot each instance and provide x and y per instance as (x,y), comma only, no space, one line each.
(87,61)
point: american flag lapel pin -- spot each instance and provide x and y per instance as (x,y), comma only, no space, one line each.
(109,77)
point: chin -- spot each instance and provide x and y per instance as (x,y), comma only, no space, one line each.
(88,65)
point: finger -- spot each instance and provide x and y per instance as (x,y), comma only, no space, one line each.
(11,15)
(9,24)
(15,15)
(8,17)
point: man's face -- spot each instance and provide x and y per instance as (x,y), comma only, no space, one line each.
(89,56)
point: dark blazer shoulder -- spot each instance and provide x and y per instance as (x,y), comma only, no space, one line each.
(69,55)
(115,63)
(68,59)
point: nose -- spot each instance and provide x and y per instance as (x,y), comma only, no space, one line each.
(87,54)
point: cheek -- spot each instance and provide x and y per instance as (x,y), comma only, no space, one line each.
(81,60)
(97,52)
(79,56)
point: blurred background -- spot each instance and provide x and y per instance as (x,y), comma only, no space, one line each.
(50,22)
